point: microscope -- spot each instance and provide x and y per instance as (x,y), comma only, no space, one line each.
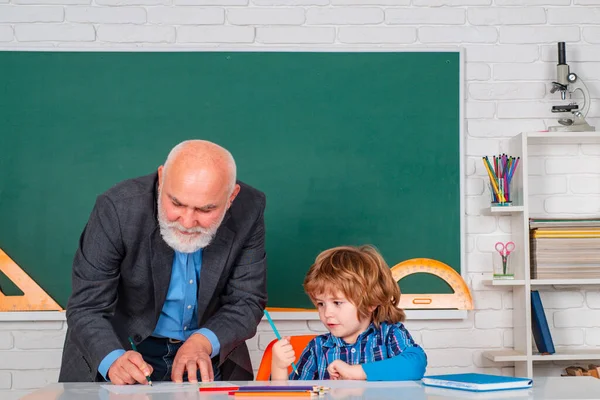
(569,82)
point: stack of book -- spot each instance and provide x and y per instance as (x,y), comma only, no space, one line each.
(564,248)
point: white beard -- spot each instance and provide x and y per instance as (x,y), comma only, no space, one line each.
(171,233)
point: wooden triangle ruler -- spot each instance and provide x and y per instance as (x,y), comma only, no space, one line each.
(34,298)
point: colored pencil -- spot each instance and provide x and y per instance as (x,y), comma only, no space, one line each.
(218,388)
(277,388)
(496,182)
(514,168)
(493,181)
(278,336)
(274,394)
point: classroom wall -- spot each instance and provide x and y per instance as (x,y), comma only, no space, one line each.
(510,63)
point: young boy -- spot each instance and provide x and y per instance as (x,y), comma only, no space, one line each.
(357,299)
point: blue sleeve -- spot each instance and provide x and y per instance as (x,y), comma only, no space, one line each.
(307,365)
(212,338)
(406,366)
(398,339)
(108,361)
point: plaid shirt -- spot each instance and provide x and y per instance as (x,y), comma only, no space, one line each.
(374,344)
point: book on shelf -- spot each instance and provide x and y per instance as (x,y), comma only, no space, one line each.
(477,382)
(567,229)
(539,325)
(563,222)
(565,248)
(565,245)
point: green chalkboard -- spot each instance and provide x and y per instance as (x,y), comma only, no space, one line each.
(349,147)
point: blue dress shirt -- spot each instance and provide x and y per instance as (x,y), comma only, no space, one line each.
(179,316)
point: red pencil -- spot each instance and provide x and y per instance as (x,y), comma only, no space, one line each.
(218,388)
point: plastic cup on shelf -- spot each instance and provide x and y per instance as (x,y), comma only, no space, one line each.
(502,266)
(496,201)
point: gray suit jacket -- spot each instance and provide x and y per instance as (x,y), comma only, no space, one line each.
(122,270)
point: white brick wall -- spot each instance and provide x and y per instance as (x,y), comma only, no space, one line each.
(215,34)
(510,54)
(30,355)
(266,16)
(506,16)
(130,33)
(185,15)
(344,16)
(18,14)
(98,15)
(54,32)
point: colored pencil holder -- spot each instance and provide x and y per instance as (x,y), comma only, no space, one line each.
(500,172)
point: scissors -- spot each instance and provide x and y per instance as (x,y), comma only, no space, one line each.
(504,249)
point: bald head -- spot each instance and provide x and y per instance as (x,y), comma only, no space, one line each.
(196,187)
(201,157)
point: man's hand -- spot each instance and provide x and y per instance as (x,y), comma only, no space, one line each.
(194,354)
(283,357)
(128,369)
(341,370)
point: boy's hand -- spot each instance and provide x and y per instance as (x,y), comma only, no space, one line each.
(341,370)
(283,357)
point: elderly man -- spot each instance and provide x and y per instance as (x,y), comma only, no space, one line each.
(174,261)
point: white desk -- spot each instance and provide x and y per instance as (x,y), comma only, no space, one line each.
(567,388)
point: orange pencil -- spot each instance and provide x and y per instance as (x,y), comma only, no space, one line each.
(274,394)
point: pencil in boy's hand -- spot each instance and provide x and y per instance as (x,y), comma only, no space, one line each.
(134,348)
(278,336)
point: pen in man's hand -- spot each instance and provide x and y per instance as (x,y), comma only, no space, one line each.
(134,348)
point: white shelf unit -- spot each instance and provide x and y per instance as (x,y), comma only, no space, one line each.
(506,209)
(504,282)
(522,354)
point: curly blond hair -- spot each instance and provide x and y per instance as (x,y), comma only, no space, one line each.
(362,276)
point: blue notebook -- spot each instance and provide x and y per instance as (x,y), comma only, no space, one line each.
(477,382)
(539,325)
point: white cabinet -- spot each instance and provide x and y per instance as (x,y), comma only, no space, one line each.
(523,354)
